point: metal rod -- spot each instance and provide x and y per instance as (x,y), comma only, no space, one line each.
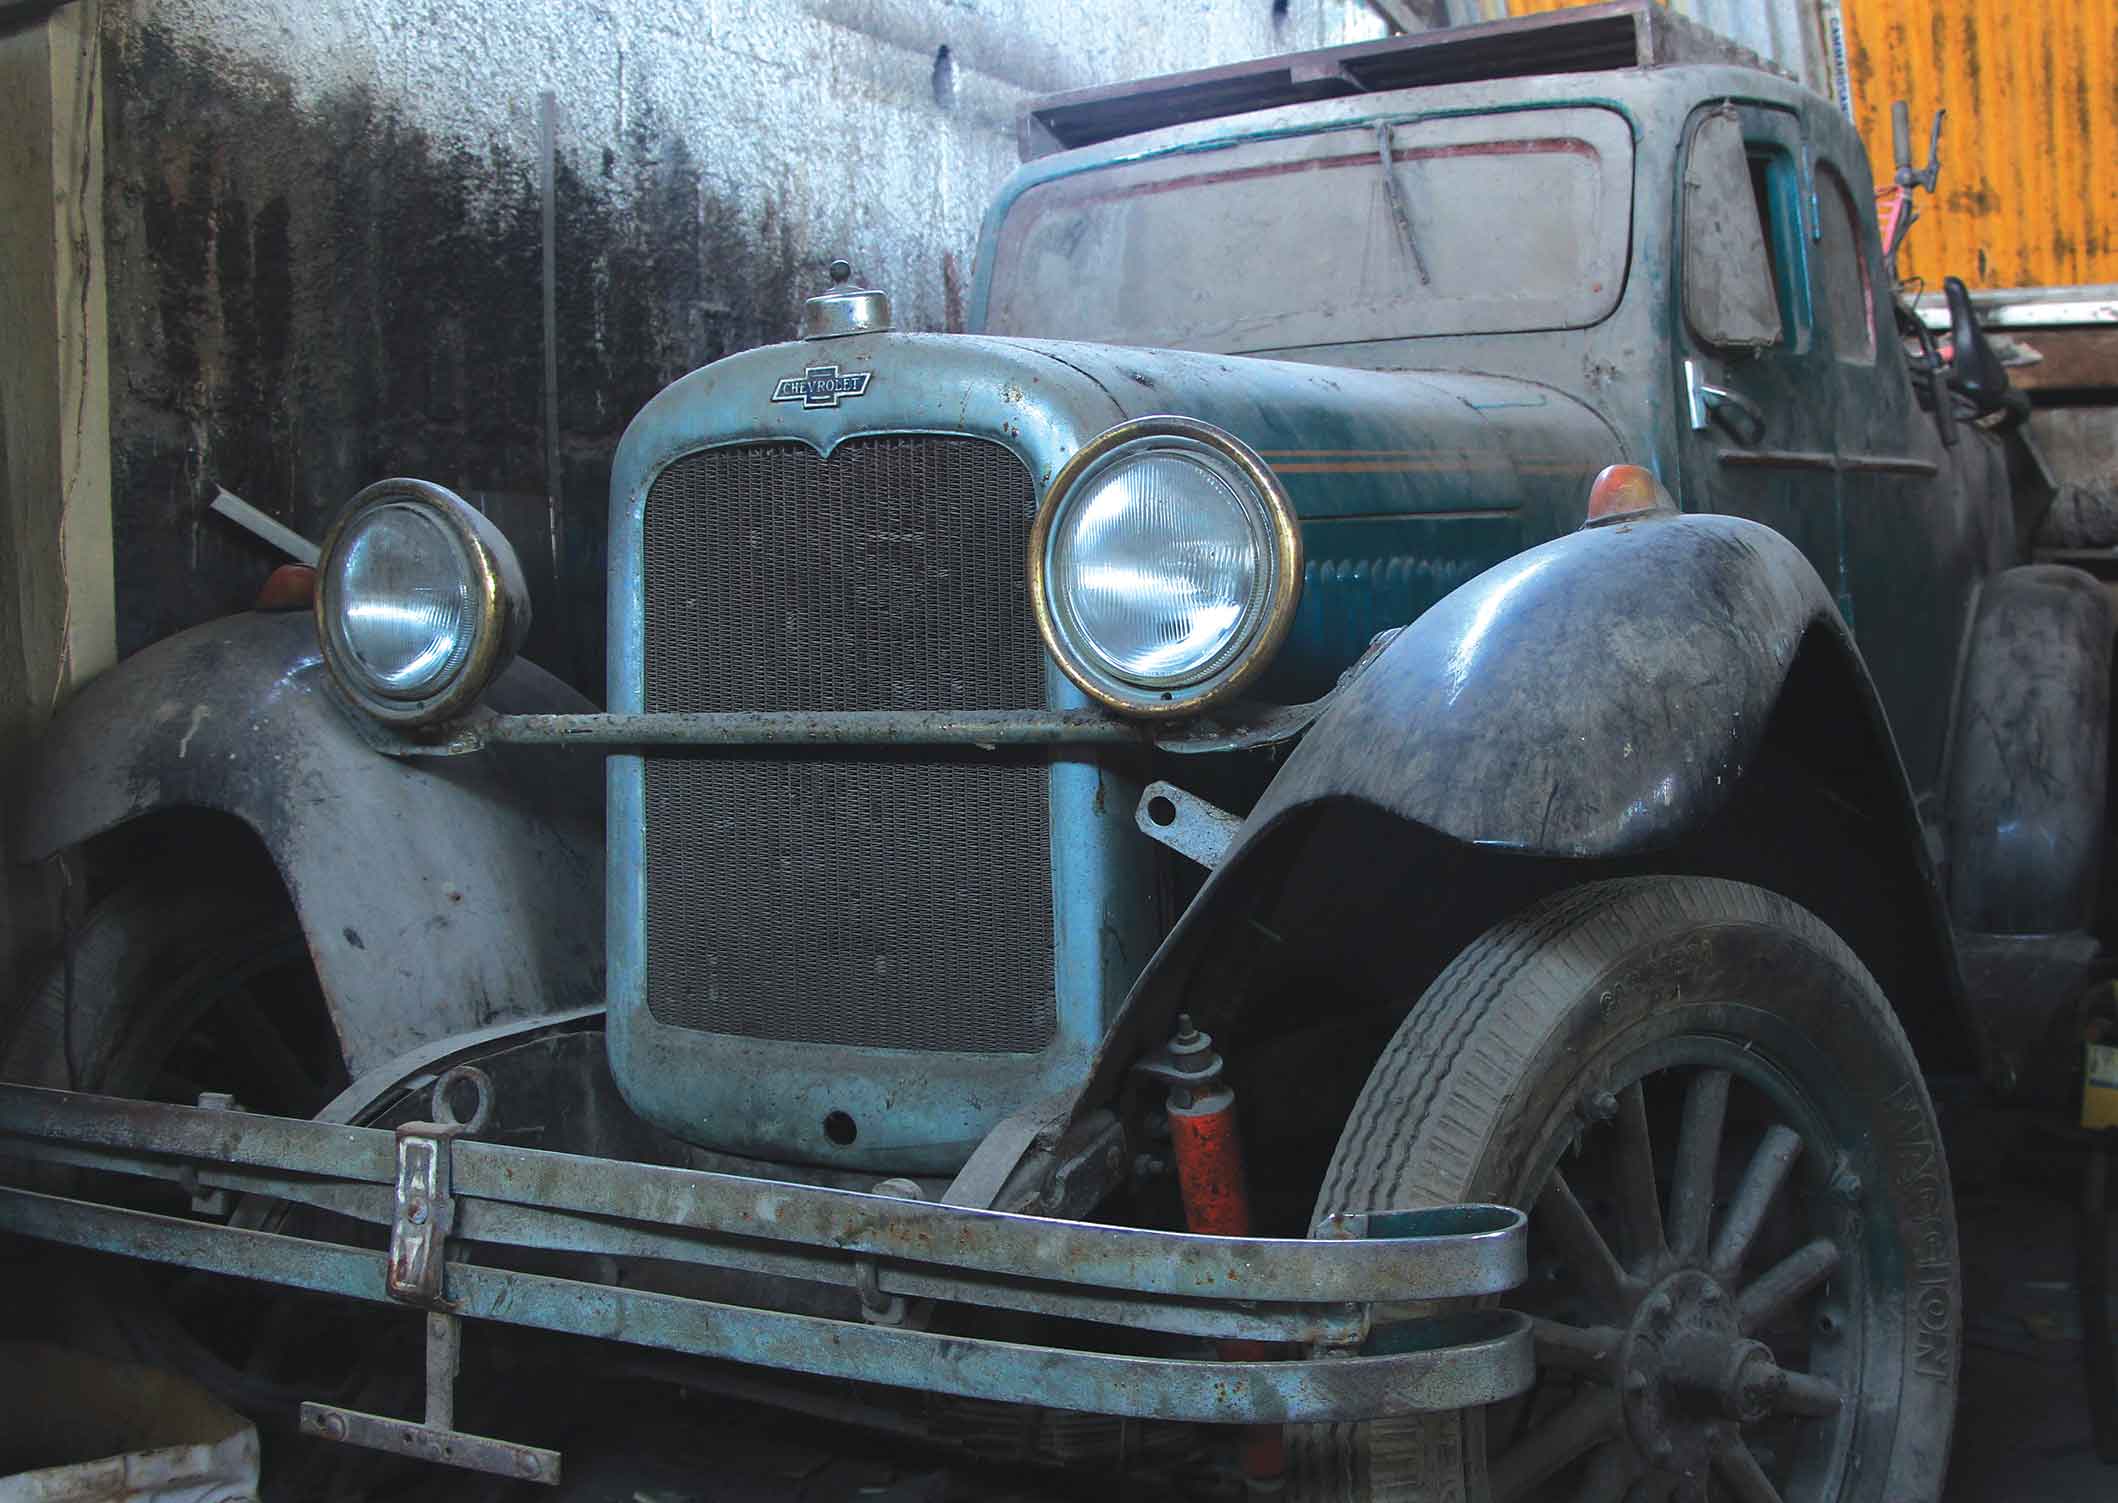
(445,1447)
(987,728)
(547,193)
(500,1224)
(1440,1252)
(444,1359)
(36,1115)
(273,531)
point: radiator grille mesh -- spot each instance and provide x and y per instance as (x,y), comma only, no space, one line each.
(896,901)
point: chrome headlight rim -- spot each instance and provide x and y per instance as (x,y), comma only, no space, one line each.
(500,612)
(1233,671)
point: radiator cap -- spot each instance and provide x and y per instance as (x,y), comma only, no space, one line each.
(845,309)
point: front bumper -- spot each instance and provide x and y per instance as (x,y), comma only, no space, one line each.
(1320,1296)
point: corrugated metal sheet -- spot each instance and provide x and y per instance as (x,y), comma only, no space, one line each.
(2028,195)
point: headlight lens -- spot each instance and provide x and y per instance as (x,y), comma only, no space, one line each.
(407,598)
(1164,566)
(1160,569)
(419,602)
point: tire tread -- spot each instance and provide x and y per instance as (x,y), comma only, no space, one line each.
(1445,1082)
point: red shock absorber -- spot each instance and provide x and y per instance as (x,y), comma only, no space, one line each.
(1208,1149)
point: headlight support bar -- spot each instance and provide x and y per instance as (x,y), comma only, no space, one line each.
(1241,728)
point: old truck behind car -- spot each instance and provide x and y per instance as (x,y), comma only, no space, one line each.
(1435,652)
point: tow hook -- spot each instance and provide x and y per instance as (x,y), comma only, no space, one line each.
(1208,1149)
(417,1274)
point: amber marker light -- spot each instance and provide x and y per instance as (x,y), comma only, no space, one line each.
(1625,490)
(290,587)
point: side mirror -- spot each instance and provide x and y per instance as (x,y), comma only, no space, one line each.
(1901,139)
(1974,369)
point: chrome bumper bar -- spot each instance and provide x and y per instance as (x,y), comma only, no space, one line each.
(1312,1294)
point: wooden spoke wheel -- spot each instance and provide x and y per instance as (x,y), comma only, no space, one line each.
(1743,1276)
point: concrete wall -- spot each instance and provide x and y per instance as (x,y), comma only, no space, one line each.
(325,233)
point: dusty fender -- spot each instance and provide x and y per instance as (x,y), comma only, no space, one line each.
(1594,699)
(1591,697)
(438,895)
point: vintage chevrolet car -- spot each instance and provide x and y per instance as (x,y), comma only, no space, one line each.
(1436,618)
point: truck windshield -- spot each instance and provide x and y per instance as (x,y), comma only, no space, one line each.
(1500,223)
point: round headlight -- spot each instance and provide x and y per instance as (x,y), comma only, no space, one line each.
(419,602)
(407,598)
(1164,566)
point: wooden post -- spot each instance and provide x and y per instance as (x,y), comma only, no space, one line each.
(57,615)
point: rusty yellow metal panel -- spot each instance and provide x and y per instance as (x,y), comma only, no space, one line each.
(2028,195)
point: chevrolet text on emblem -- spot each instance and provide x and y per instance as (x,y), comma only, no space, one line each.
(820,386)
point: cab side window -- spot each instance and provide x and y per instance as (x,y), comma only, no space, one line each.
(1845,296)
(1730,294)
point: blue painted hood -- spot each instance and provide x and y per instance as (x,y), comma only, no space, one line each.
(1408,482)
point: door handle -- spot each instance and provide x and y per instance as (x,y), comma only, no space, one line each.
(1708,402)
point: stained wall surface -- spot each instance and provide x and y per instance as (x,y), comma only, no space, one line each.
(324,224)
(2027,197)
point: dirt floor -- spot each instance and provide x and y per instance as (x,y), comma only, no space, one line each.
(2022,1420)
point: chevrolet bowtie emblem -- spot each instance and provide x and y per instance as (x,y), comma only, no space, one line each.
(820,386)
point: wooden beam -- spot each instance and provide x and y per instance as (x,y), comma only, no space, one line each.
(2083,359)
(57,612)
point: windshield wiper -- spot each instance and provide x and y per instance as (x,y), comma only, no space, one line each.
(1397,202)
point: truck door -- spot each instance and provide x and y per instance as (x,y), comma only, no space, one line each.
(1754,385)
(1923,519)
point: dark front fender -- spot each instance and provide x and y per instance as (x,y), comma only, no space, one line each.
(438,895)
(1592,697)
(1585,705)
